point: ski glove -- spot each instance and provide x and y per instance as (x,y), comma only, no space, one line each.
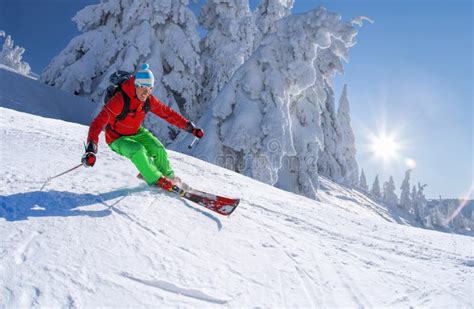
(198,132)
(165,184)
(91,147)
(89,158)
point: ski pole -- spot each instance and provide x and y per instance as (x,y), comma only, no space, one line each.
(191,145)
(51,178)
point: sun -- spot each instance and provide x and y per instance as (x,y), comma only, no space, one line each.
(385,146)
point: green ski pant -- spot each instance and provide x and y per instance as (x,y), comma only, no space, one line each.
(146,152)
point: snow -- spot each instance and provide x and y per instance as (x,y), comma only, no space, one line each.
(99,237)
(27,94)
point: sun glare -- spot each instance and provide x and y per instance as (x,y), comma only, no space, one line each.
(410,163)
(384,147)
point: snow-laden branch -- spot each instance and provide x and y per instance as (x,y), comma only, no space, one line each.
(11,55)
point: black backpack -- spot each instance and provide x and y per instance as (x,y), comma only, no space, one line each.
(116,81)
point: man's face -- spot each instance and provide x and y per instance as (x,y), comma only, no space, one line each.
(143,92)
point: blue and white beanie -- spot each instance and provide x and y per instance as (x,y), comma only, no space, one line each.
(144,77)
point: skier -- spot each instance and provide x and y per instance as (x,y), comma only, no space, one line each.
(123,116)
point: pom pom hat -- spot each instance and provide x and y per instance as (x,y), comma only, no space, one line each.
(145,77)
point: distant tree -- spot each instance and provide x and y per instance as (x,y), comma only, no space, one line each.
(458,222)
(346,147)
(413,193)
(455,218)
(363,182)
(429,220)
(405,200)
(11,56)
(376,188)
(420,204)
(471,220)
(389,196)
(413,198)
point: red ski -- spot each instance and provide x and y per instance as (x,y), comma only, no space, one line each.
(220,204)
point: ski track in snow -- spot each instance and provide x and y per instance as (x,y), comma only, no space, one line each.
(170,287)
(100,238)
(345,279)
(21,252)
(307,282)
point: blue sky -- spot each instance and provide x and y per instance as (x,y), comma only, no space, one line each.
(410,75)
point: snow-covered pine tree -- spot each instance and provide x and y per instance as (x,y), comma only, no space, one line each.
(251,127)
(406,202)
(11,55)
(346,148)
(413,194)
(123,34)
(420,204)
(412,199)
(389,196)
(265,16)
(363,182)
(329,162)
(375,191)
(227,44)
(470,222)
(429,219)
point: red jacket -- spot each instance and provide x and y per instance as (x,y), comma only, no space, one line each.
(132,122)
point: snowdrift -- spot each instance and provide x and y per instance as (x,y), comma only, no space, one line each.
(100,237)
(29,95)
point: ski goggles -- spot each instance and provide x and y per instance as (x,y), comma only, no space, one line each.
(143,86)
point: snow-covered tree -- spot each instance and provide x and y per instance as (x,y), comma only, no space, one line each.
(413,193)
(346,147)
(228,42)
(405,200)
(429,221)
(456,218)
(363,182)
(420,204)
(266,14)
(471,220)
(268,112)
(389,196)
(299,172)
(375,191)
(413,197)
(329,161)
(11,55)
(451,214)
(122,34)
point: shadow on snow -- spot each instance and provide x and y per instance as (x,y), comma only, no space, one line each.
(21,206)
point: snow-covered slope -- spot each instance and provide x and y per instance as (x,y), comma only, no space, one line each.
(29,95)
(100,237)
